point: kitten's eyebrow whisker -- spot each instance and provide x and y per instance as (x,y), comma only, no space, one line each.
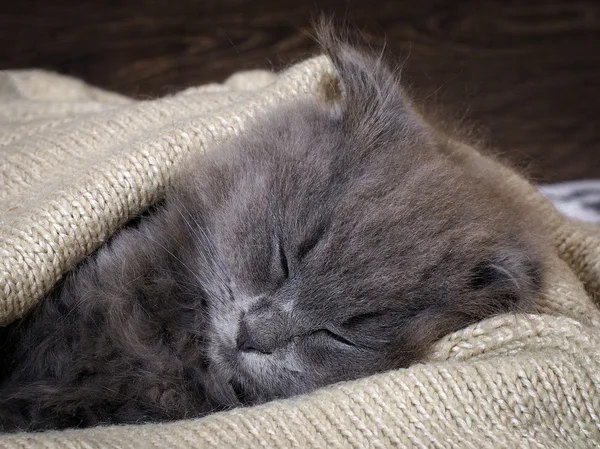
(208,264)
(174,256)
(218,298)
(206,245)
(200,250)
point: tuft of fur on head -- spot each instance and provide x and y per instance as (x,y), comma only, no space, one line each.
(326,243)
(373,103)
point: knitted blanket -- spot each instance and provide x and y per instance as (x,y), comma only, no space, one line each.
(77,162)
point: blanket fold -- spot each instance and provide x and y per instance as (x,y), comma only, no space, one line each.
(77,162)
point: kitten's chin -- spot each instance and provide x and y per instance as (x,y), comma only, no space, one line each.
(221,391)
(237,378)
(229,390)
(242,395)
(232,393)
(235,391)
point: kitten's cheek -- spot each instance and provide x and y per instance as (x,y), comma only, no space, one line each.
(337,363)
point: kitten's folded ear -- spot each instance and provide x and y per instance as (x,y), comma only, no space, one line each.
(371,101)
(511,278)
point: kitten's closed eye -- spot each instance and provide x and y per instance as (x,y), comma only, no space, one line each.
(283,262)
(333,336)
(362,318)
(310,243)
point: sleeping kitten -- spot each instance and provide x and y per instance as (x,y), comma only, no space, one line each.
(329,242)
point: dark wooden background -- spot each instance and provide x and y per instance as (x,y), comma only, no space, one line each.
(523,75)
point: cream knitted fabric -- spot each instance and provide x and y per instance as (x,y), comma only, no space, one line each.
(77,162)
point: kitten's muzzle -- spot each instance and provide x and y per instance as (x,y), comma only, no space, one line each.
(264,331)
(246,341)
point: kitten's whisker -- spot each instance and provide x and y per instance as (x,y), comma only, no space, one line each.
(183,264)
(206,245)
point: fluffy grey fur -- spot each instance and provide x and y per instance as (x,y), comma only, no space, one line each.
(329,242)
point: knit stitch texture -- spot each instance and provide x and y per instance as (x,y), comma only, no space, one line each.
(76,162)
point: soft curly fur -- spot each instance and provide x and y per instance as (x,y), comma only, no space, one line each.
(329,242)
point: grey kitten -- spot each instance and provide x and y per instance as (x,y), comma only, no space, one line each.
(327,243)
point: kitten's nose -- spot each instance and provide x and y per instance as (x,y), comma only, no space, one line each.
(246,342)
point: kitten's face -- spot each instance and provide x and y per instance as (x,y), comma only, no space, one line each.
(333,245)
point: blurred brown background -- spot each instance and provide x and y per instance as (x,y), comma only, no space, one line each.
(523,75)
